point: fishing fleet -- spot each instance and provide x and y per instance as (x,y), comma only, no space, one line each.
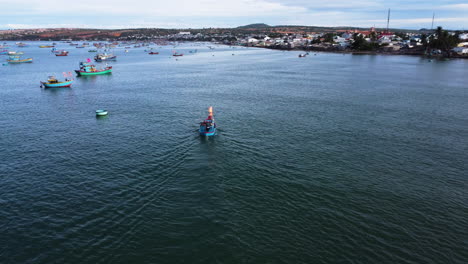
(207,127)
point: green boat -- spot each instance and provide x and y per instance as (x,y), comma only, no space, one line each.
(89,69)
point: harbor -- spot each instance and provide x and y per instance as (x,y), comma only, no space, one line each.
(340,156)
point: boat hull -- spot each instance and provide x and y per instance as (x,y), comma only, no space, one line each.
(20,61)
(83,73)
(107,59)
(101,112)
(209,132)
(57,85)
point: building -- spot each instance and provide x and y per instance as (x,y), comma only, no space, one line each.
(460,50)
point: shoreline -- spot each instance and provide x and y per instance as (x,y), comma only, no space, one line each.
(404,52)
(358,52)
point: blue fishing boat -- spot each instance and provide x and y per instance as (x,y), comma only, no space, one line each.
(17,59)
(52,82)
(208,126)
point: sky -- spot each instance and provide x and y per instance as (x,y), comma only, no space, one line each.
(114,14)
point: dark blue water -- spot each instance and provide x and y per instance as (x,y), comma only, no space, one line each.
(325,159)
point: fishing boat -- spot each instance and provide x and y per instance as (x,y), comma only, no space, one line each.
(21,44)
(17,59)
(52,82)
(208,126)
(86,68)
(14,53)
(46,46)
(153,53)
(4,52)
(177,54)
(101,112)
(105,57)
(61,53)
(92,50)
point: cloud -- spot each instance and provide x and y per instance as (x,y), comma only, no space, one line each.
(340,5)
(421,20)
(173,8)
(229,13)
(455,7)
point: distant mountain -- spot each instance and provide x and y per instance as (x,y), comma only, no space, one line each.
(257,25)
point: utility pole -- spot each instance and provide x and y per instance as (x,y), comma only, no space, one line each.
(388,19)
(432,26)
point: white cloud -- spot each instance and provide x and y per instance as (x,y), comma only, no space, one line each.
(455,7)
(174,8)
(449,22)
(228,13)
(333,4)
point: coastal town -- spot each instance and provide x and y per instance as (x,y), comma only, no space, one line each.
(437,42)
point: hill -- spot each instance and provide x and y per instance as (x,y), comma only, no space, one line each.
(254,26)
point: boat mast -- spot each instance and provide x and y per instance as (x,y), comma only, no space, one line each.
(210,111)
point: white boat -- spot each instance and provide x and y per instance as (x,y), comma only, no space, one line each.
(101,112)
(15,53)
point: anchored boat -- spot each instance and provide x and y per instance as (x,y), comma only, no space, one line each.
(208,126)
(52,82)
(105,57)
(14,53)
(86,68)
(17,59)
(101,112)
(61,53)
